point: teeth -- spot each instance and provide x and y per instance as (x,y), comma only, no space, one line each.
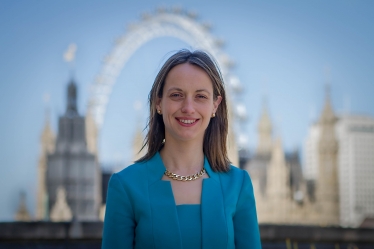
(187,121)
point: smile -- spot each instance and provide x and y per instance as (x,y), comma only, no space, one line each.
(187,121)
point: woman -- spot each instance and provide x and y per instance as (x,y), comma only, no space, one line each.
(183,193)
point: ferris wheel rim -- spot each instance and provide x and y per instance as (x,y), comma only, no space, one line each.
(161,24)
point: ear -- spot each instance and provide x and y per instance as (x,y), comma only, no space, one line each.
(216,103)
(158,103)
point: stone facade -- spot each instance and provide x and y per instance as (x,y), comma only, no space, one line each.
(61,210)
(282,194)
(327,192)
(47,147)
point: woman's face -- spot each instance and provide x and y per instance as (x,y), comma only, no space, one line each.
(187,103)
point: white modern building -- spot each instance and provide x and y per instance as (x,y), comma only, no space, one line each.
(355,136)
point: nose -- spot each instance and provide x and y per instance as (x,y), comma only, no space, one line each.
(187,106)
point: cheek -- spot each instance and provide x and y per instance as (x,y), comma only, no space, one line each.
(167,113)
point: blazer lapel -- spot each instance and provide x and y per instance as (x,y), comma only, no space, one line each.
(164,215)
(214,227)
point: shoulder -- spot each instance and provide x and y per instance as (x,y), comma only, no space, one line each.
(235,171)
(235,180)
(234,174)
(132,173)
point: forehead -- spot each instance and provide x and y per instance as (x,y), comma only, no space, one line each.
(187,75)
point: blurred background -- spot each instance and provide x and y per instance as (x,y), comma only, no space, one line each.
(75,77)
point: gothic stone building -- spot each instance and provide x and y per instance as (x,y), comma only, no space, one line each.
(282,194)
(71,165)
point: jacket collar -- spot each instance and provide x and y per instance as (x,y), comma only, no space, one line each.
(156,168)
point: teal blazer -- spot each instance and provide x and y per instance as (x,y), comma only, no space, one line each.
(141,211)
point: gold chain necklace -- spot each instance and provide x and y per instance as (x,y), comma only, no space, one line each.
(184,178)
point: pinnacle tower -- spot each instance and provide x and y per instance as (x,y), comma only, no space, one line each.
(72,166)
(71,107)
(47,147)
(327,193)
(264,132)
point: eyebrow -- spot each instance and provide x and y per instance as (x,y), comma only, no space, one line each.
(203,90)
(179,89)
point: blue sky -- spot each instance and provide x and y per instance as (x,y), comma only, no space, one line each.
(281,50)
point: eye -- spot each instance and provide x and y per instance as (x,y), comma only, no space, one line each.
(201,96)
(176,95)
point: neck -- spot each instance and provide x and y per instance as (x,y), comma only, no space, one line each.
(182,158)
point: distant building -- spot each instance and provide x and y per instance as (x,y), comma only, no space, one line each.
(22,212)
(311,152)
(283,195)
(277,178)
(356,169)
(72,166)
(47,147)
(351,137)
(327,186)
(61,210)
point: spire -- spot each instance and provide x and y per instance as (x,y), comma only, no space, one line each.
(91,133)
(69,57)
(264,131)
(48,137)
(22,212)
(47,133)
(327,116)
(265,122)
(71,108)
(327,122)
(61,210)
(327,90)
(278,173)
(327,189)
(47,142)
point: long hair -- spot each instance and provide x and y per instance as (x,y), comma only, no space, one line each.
(214,145)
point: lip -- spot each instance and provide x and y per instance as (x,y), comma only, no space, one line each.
(188,120)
